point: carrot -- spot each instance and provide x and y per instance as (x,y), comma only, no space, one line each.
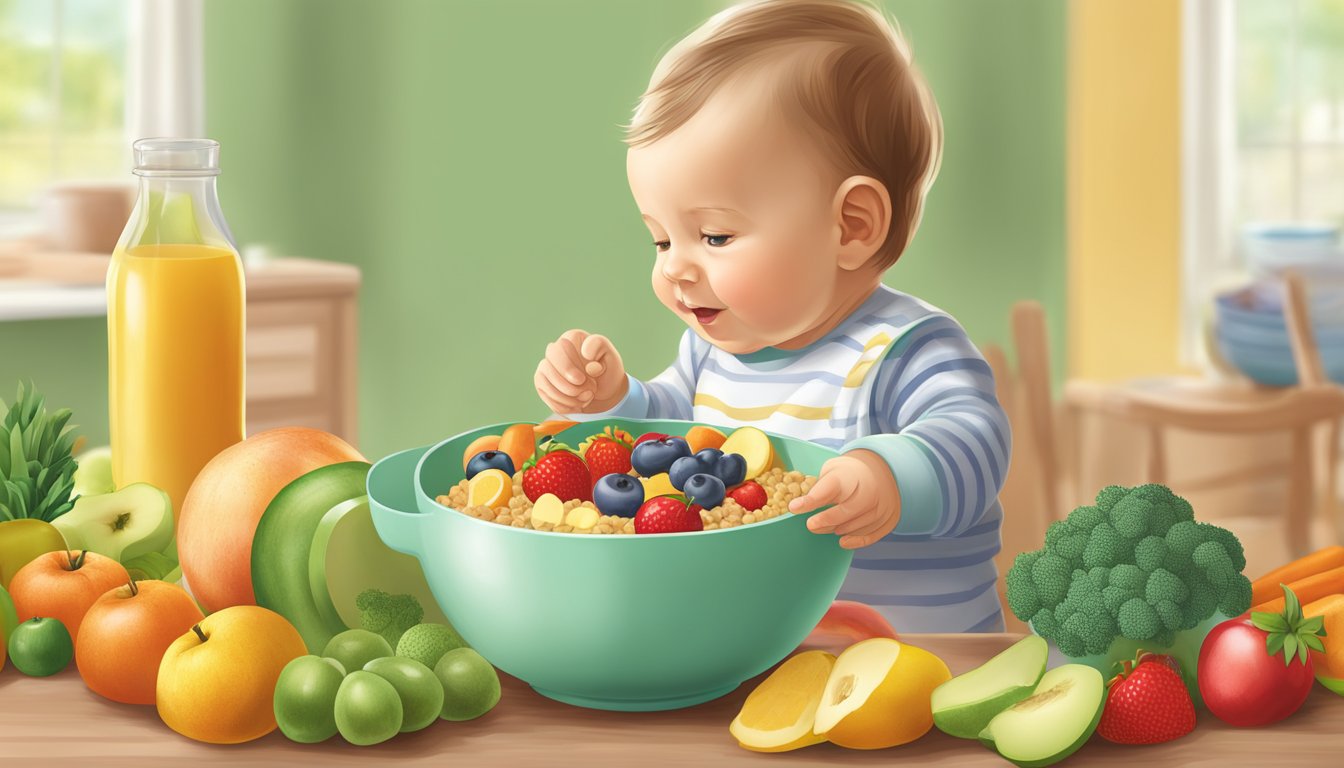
(1266,587)
(553,426)
(519,441)
(1308,590)
(1328,604)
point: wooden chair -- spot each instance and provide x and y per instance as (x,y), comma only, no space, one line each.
(1240,407)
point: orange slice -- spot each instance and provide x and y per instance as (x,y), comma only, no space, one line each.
(489,488)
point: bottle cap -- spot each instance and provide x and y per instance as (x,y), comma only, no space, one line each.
(176,157)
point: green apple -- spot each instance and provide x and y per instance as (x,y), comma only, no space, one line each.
(151,565)
(93,473)
(41,647)
(964,705)
(368,709)
(420,691)
(354,648)
(470,684)
(284,537)
(122,525)
(1053,722)
(305,698)
(23,540)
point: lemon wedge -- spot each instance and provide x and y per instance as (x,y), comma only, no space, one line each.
(489,488)
(778,716)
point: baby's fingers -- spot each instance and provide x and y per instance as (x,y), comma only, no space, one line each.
(563,384)
(595,350)
(556,400)
(826,491)
(563,355)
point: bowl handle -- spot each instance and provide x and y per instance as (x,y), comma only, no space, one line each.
(391,487)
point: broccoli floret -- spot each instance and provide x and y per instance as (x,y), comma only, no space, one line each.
(1138,620)
(1099,577)
(1130,516)
(1105,547)
(1169,613)
(1070,644)
(1213,560)
(1092,630)
(1084,519)
(1082,593)
(1150,553)
(1114,597)
(1022,598)
(1203,599)
(1051,574)
(1044,623)
(1070,546)
(1108,496)
(1183,537)
(1128,576)
(1054,533)
(1236,597)
(1232,546)
(1165,585)
(388,615)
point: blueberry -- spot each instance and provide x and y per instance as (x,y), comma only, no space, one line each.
(654,456)
(618,494)
(708,457)
(705,489)
(731,469)
(682,469)
(489,460)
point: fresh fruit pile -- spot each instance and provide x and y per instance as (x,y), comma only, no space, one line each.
(360,689)
(615,483)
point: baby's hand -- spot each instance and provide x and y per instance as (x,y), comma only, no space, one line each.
(867,502)
(581,373)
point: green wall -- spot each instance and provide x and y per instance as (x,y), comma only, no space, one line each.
(467,157)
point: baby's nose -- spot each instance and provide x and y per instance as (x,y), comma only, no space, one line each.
(677,267)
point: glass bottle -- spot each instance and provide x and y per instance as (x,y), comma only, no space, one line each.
(175,322)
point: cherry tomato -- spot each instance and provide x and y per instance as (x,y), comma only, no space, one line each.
(1242,684)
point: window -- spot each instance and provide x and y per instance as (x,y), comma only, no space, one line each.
(62,106)
(1263,132)
(82,79)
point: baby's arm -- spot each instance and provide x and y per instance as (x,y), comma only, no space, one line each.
(668,395)
(946,438)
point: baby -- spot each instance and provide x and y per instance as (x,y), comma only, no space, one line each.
(780,158)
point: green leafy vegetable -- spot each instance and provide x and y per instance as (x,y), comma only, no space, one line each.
(1134,565)
(388,615)
(36,468)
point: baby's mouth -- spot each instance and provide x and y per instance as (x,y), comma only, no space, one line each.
(704,315)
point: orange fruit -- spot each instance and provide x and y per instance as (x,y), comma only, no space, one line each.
(482,443)
(778,716)
(489,488)
(879,695)
(124,635)
(700,437)
(63,584)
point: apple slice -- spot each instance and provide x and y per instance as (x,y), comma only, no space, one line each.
(121,525)
(1052,723)
(753,445)
(93,475)
(582,518)
(347,557)
(877,696)
(964,705)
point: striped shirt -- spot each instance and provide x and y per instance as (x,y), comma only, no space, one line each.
(900,378)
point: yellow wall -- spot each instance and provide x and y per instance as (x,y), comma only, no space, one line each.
(1123,187)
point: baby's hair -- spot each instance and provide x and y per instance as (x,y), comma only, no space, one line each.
(852,81)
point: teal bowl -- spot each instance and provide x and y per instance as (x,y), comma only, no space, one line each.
(616,622)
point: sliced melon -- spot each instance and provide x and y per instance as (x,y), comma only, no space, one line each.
(1052,723)
(284,538)
(347,557)
(778,716)
(964,705)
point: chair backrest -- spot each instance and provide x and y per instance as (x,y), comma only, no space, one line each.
(1306,355)
(1032,342)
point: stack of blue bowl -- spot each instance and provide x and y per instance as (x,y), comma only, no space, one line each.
(1250,330)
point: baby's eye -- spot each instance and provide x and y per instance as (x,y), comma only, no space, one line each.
(661,245)
(718,241)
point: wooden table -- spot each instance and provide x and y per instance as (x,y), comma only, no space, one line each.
(55,719)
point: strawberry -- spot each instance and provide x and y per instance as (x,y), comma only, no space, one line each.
(750,495)
(1147,703)
(668,514)
(559,470)
(607,453)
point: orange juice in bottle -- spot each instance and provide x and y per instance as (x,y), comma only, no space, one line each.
(175,307)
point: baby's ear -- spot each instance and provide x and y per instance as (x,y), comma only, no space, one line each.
(863,214)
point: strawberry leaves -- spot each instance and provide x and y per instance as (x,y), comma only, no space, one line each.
(1289,632)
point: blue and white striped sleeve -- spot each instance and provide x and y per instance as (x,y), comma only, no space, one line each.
(669,395)
(943,432)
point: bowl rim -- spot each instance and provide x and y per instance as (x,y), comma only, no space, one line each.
(444,508)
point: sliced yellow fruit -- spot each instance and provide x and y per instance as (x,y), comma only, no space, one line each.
(878,695)
(582,518)
(658,485)
(778,715)
(548,508)
(489,488)
(754,446)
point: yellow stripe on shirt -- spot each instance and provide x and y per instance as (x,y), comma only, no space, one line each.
(761,412)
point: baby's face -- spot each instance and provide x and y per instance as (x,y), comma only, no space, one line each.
(741,213)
